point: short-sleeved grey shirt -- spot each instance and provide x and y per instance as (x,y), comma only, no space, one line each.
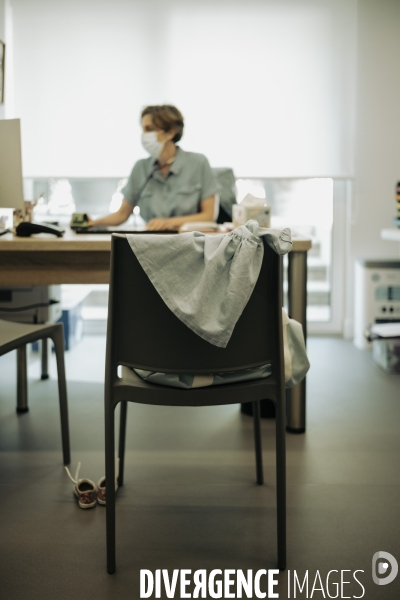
(189,181)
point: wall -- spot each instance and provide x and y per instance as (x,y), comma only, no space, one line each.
(377,148)
(6,35)
(3,39)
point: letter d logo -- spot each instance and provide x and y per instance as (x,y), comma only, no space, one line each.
(382,567)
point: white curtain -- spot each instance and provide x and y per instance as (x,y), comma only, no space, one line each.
(265,86)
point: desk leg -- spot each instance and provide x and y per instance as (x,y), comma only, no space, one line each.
(45,359)
(22,380)
(297,296)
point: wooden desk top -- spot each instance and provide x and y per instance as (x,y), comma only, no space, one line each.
(45,242)
(87,242)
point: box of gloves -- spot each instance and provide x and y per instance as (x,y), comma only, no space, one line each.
(251,208)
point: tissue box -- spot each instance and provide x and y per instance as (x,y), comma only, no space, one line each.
(241,213)
(386,353)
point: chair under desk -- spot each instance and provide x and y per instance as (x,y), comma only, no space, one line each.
(46,260)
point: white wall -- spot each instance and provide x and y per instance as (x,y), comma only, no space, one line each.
(2,19)
(377,156)
(3,39)
(6,35)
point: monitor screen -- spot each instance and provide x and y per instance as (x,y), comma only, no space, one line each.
(11,185)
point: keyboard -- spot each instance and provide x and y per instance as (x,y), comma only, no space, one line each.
(111,230)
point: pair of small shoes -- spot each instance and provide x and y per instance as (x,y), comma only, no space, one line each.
(84,489)
(87,493)
(101,487)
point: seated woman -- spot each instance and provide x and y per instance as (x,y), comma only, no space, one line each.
(172,186)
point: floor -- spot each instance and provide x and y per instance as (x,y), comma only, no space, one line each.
(190,499)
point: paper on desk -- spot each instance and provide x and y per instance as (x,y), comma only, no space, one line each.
(386,330)
(199,226)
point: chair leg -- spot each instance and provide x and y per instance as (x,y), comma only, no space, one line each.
(281,480)
(110,476)
(58,339)
(22,381)
(257,442)
(44,359)
(121,445)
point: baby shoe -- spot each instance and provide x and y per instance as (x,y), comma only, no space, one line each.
(84,489)
(101,487)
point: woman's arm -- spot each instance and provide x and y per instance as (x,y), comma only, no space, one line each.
(116,218)
(206,214)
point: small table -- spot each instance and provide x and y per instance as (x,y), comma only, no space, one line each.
(85,258)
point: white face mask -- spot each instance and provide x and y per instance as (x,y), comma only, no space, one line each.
(151,144)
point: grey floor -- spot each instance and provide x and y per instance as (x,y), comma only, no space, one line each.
(190,499)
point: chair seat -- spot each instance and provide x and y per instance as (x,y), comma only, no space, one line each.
(13,335)
(133,388)
(16,336)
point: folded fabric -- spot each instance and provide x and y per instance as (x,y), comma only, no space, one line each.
(183,380)
(207,280)
(294,351)
(295,358)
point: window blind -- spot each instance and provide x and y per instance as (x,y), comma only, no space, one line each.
(266,87)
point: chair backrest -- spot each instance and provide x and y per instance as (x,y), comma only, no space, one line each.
(142,331)
(227,193)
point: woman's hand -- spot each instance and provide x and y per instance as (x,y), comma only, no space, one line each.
(206,214)
(162,224)
(116,218)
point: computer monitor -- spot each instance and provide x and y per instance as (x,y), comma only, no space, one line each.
(11,185)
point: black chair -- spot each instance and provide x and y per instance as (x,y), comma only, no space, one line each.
(143,333)
(15,336)
(227,193)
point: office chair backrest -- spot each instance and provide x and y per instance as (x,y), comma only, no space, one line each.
(143,333)
(227,193)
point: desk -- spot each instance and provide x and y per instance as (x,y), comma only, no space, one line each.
(46,260)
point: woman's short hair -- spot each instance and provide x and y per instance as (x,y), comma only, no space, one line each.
(166,117)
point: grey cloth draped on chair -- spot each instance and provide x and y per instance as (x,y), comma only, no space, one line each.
(207,280)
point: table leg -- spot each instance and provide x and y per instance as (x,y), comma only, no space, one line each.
(44,359)
(297,299)
(22,381)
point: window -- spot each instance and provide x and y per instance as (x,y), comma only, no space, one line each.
(306,206)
